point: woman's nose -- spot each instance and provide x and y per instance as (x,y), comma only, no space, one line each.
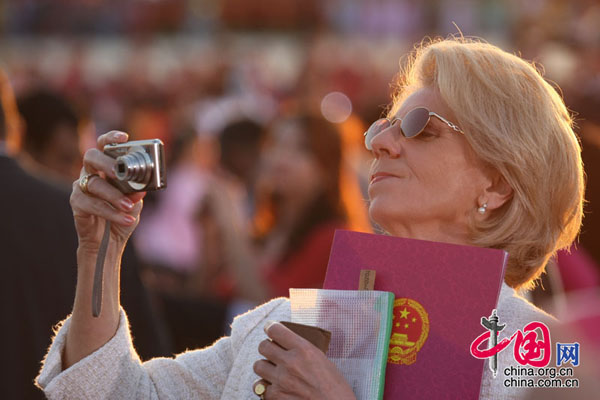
(386,143)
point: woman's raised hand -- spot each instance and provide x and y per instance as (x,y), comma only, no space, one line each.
(103,201)
(295,369)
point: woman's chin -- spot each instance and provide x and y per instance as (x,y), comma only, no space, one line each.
(380,214)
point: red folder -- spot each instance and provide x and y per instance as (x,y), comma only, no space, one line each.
(442,290)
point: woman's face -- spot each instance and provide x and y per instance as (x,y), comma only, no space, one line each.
(289,167)
(430,185)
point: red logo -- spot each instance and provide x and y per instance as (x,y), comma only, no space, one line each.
(527,350)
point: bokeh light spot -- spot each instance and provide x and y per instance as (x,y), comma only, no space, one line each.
(336,107)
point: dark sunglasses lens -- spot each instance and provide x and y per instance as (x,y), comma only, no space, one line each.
(375,128)
(414,122)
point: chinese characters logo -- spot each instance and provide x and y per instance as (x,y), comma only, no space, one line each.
(567,353)
(531,345)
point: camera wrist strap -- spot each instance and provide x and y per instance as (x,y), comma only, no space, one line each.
(99,272)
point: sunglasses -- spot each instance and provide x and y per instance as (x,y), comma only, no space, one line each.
(413,123)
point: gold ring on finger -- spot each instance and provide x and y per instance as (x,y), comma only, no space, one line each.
(259,389)
(84,181)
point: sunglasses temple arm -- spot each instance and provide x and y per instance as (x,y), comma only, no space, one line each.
(450,124)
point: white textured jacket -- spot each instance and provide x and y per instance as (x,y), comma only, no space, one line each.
(223,370)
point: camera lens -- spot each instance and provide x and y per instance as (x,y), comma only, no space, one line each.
(134,167)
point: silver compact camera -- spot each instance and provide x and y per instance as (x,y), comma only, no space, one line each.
(140,165)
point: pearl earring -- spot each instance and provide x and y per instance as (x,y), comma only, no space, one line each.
(482,209)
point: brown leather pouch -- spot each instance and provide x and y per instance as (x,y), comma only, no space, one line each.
(317,336)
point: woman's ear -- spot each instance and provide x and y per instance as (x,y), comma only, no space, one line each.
(497,192)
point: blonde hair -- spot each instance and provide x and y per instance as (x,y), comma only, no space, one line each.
(517,123)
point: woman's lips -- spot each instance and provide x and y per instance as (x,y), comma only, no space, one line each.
(381,176)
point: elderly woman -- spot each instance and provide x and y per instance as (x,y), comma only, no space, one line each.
(477,149)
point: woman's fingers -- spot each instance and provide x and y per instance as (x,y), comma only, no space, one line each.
(285,337)
(296,369)
(85,205)
(136,196)
(96,161)
(111,137)
(101,189)
(265,370)
(281,383)
(272,351)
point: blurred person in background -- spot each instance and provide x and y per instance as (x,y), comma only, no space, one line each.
(170,243)
(588,107)
(229,204)
(300,200)
(177,238)
(10,142)
(573,276)
(50,146)
(38,244)
(168,238)
(240,148)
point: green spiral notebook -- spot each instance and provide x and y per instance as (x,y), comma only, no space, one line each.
(360,322)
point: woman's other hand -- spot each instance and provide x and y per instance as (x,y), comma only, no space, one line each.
(102,200)
(295,369)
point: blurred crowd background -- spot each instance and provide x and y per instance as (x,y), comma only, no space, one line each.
(261,106)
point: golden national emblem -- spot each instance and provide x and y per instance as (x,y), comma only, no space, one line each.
(410,328)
